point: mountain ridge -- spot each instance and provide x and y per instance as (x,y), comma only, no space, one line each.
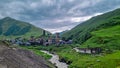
(13,27)
(81,32)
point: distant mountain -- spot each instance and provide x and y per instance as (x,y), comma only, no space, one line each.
(12,27)
(81,32)
(61,33)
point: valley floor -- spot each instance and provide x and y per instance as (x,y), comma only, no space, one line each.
(77,60)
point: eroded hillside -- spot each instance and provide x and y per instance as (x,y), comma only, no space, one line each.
(19,58)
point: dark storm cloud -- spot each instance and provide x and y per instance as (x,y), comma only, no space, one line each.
(55,15)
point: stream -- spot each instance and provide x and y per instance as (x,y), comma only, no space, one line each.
(55,60)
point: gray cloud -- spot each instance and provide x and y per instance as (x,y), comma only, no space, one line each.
(55,15)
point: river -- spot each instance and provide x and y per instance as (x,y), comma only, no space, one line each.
(55,60)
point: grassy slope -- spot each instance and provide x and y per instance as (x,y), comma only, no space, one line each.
(108,38)
(84,60)
(7,22)
(81,32)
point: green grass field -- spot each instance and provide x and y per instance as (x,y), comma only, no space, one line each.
(81,60)
(91,61)
(108,38)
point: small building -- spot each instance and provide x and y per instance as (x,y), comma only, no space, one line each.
(96,50)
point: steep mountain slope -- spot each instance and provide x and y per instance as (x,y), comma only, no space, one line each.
(81,33)
(12,27)
(19,58)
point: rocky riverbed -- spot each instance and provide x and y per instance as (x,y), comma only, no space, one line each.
(55,60)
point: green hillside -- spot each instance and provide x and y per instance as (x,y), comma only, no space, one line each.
(108,38)
(10,27)
(81,33)
(101,31)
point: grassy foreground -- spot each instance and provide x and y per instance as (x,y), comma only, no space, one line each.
(78,60)
(91,61)
(107,39)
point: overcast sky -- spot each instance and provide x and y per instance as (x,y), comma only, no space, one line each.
(55,15)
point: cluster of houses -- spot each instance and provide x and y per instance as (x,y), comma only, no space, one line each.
(40,41)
